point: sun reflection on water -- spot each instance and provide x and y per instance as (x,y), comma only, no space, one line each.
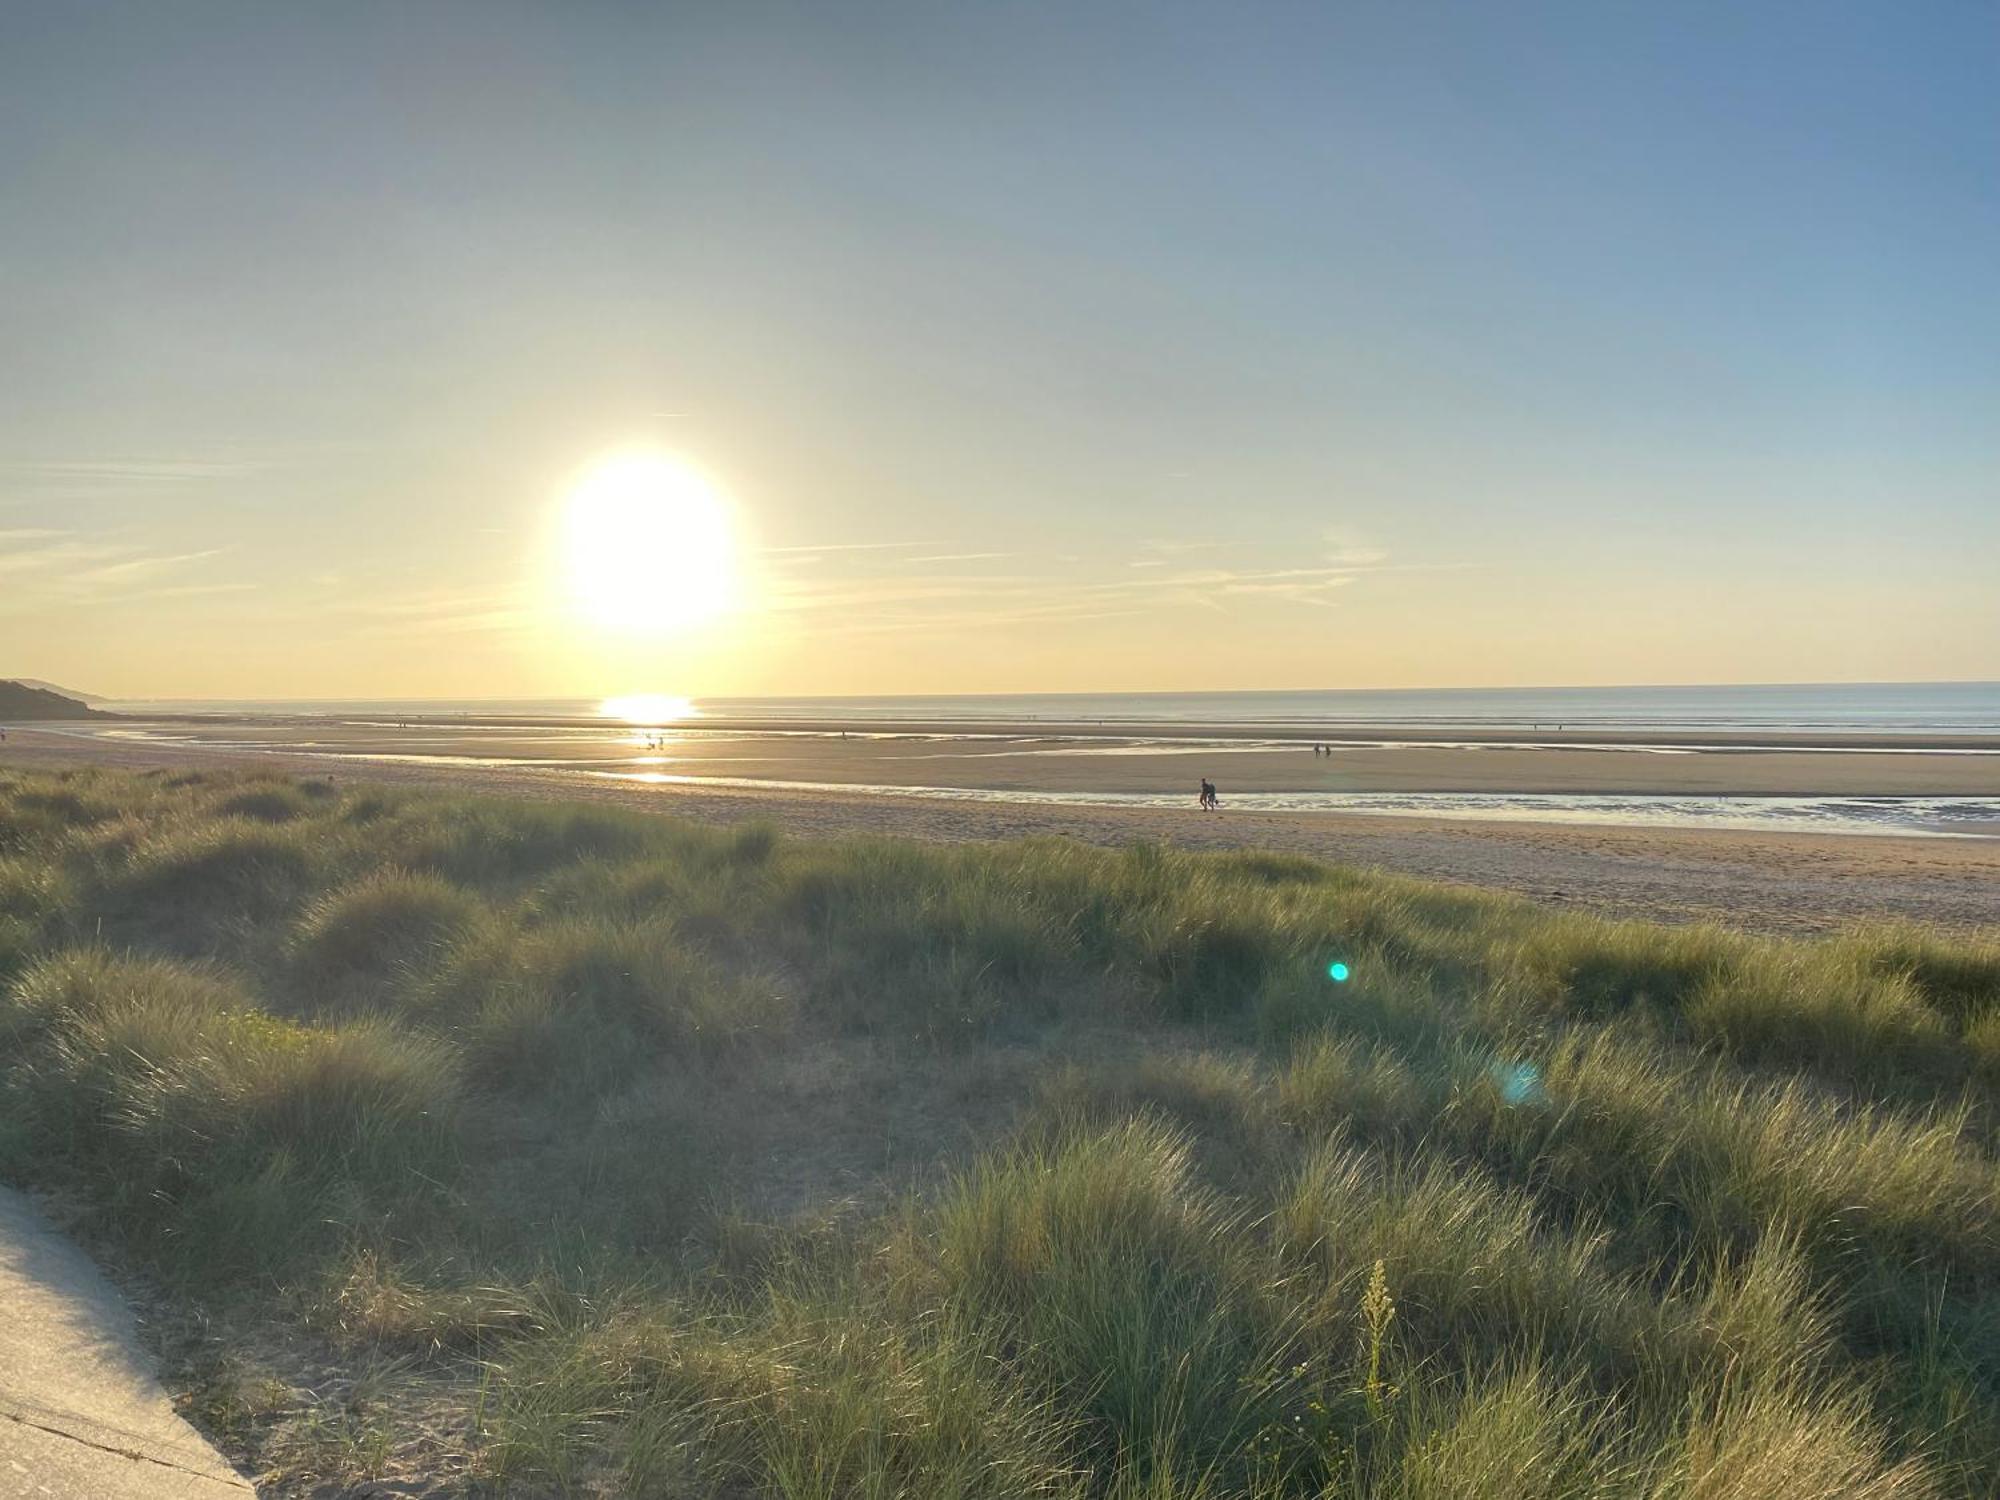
(648,709)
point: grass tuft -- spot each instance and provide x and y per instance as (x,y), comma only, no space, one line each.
(385,923)
(267,804)
(215,1124)
(192,880)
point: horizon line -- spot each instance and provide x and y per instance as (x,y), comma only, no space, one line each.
(1066,692)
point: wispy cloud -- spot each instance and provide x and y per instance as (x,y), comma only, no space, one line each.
(846,547)
(118,478)
(1175,548)
(1344,549)
(47,569)
(44,554)
(151,470)
(437,612)
(958,600)
(1210,586)
(204,590)
(1169,574)
(138,569)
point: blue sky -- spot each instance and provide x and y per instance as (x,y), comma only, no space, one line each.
(1033,346)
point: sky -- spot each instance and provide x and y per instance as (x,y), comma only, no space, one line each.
(1024,347)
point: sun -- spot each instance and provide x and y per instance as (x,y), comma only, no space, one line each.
(648,545)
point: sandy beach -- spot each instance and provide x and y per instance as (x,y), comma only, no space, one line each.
(1768,881)
(1147,758)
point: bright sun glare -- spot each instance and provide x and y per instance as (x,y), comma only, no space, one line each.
(649,545)
(650,710)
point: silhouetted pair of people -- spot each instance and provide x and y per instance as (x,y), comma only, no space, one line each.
(1208,798)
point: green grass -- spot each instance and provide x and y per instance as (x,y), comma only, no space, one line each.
(386,922)
(558,1149)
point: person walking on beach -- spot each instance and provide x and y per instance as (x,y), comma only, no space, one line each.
(1208,794)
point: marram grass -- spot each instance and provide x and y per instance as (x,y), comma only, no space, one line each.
(608,1154)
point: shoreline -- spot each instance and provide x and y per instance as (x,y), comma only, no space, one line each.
(1779,882)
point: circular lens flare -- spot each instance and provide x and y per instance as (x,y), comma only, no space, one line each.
(1337,972)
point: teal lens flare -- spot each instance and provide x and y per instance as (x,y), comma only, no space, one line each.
(1519,1083)
(1337,972)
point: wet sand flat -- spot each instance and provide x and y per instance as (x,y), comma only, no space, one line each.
(1085,759)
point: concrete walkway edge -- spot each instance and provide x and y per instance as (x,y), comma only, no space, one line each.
(82,1416)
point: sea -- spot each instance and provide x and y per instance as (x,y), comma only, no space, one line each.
(1873,707)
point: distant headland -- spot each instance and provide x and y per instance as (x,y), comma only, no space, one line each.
(21,700)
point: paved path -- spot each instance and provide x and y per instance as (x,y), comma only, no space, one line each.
(81,1416)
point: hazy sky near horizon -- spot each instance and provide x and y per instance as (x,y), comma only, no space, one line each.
(1033,346)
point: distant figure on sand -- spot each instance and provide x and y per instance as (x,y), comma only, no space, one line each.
(1208,794)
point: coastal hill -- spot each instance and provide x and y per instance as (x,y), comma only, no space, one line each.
(20,701)
(93,699)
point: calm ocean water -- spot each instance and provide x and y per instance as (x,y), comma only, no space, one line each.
(1893,707)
